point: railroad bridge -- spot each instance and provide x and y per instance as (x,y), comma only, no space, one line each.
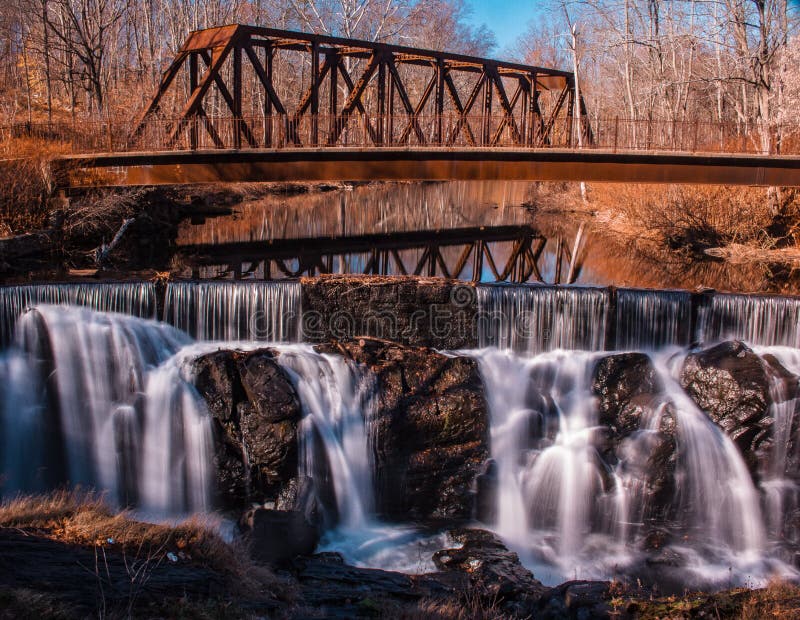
(244,103)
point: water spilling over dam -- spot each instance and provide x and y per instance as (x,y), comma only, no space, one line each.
(589,457)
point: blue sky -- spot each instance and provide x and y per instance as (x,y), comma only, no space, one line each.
(506,18)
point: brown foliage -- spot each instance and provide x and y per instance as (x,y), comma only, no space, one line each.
(26,184)
(692,218)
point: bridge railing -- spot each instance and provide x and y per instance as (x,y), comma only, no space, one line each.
(454,131)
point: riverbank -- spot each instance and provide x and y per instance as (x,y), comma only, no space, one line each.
(743,239)
(71,556)
(111,233)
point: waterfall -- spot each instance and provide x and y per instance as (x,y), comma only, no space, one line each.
(652,319)
(106,393)
(780,480)
(335,449)
(757,319)
(132,298)
(565,507)
(235,310)
(716,494)
(338,399)
(535,319)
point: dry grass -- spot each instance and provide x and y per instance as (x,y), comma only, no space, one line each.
(26,184)
(779,600)
(78,518)
(694,217)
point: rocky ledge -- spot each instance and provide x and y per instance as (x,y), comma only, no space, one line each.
(430,428)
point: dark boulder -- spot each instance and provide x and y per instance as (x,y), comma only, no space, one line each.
(495,573)
(276,537)
(429,428)
(333,589)
(731,384)
(577,599)
(256,411)
(629,395)
(625,386)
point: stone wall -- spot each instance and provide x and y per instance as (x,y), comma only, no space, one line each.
(429,312)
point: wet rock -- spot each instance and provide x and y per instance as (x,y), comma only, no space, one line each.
(334,589)
(731,384)
(256,411)
(656,538)
(276,537)
(638,430)
(429,428)
(486,486)
(494,572)
(577,599)
(409,310)
(625,386)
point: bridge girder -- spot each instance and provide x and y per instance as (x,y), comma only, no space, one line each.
(233,87)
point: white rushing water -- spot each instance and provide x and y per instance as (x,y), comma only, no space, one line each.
(133,298)
(767,320)
(649,320)
(570,517)
(338,400)
(235,311)
(103,401)
(335,396)
(534,319)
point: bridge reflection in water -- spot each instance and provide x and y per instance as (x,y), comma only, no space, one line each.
(470,231)
(483,254)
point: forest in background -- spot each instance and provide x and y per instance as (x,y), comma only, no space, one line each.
(731,61)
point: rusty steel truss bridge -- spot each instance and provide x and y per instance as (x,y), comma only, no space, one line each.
(244,103)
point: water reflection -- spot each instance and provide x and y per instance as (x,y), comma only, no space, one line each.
(478,231)
(469,231)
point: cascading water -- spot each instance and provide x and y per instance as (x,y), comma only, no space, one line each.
(779,479)
(335,396)
(104,400)
(573,513)
(338,399)
(759,320)
(132,298)
(115,413)
(535,319)
(235,311)
(648,320)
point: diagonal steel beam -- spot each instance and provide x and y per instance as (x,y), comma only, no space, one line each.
(230,101)
(219,56)
(413,123)
(354,100)
(465,110)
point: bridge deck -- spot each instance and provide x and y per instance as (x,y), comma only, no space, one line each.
(423,164)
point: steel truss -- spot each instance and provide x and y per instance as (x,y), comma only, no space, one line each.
(355,92)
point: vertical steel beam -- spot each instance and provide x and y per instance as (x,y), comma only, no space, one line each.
(390,110)
(268,57)
(237,96)
(333,95)
(486,121)
(381,103)
(314,93)
(570,112)
(525,85)
(440,70)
